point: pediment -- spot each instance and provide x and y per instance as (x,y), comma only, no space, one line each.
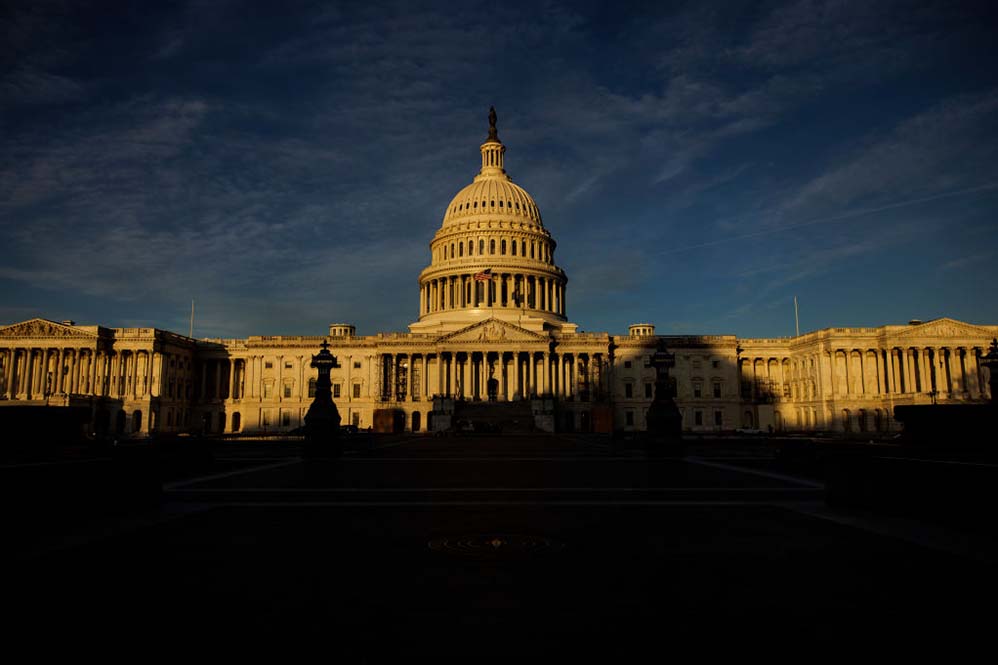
(945,327)
(492,331)
(43,328)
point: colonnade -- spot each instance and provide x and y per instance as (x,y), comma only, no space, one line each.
(37,372)
(515,375)
(946,372)
(508,290)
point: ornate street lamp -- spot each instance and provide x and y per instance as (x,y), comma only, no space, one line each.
(322,422)
(991,362)
(664,422)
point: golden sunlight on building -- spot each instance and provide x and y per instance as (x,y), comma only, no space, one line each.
(493,327)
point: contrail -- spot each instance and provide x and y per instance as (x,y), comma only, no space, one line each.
(837,218)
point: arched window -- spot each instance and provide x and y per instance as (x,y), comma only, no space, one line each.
(532,244)
(236,422)
(445,252)
(311,387)
(476,204)
(493,203)
(471,247)
(500,204)
(512,246)
(492,247)
(452,250)
(523,248)
(502,247)
(460,249)
(481,246)
(517,205)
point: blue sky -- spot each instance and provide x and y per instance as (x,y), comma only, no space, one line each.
(700,164)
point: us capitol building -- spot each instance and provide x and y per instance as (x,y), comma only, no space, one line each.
(493,327)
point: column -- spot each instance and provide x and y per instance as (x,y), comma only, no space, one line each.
(959,371)
(8,374)
(279,382)
(925,368)
(450,386)
(249,372)
(134,374)
(533,368)
(546,387)
(895,374)
(232,378)
(92,371)
(971,372)
(952,375)
(29,375)
(517,392)
(466,376)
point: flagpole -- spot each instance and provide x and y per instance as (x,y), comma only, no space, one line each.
(796,317)
(191,332)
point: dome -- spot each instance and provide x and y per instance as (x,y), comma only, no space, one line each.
(492,256)
(489,196)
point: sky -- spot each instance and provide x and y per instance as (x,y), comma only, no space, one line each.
(699,164)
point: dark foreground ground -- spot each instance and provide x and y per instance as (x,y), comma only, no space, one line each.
(490,550)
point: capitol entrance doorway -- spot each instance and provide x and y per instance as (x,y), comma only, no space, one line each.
(415,421)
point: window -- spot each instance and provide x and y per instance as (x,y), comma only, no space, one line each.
(502,247)
(629,418)
(481,247)
(627,364)
(697,390)
(356,364)
(698,417)
(460,249)
(717,390)
(715,363)
(512,246)
(336,391)
(268,365)
(355,419)
(311,387)
(268,390)
(287,390)
(492,247)
(628,390)
(471,247)
(648,390)
(286,418)
(288,364)
(718,418)
(356,390)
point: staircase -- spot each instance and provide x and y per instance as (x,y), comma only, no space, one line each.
(494,417)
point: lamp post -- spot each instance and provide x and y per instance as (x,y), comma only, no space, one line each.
(664,422)
(991,362)
(322,422)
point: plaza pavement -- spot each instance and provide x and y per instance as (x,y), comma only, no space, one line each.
(492,549)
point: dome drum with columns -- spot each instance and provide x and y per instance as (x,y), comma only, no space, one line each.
(492,257)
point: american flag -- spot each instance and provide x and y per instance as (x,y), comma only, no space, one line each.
(484,276)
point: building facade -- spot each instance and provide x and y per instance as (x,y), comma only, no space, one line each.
(493,326)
